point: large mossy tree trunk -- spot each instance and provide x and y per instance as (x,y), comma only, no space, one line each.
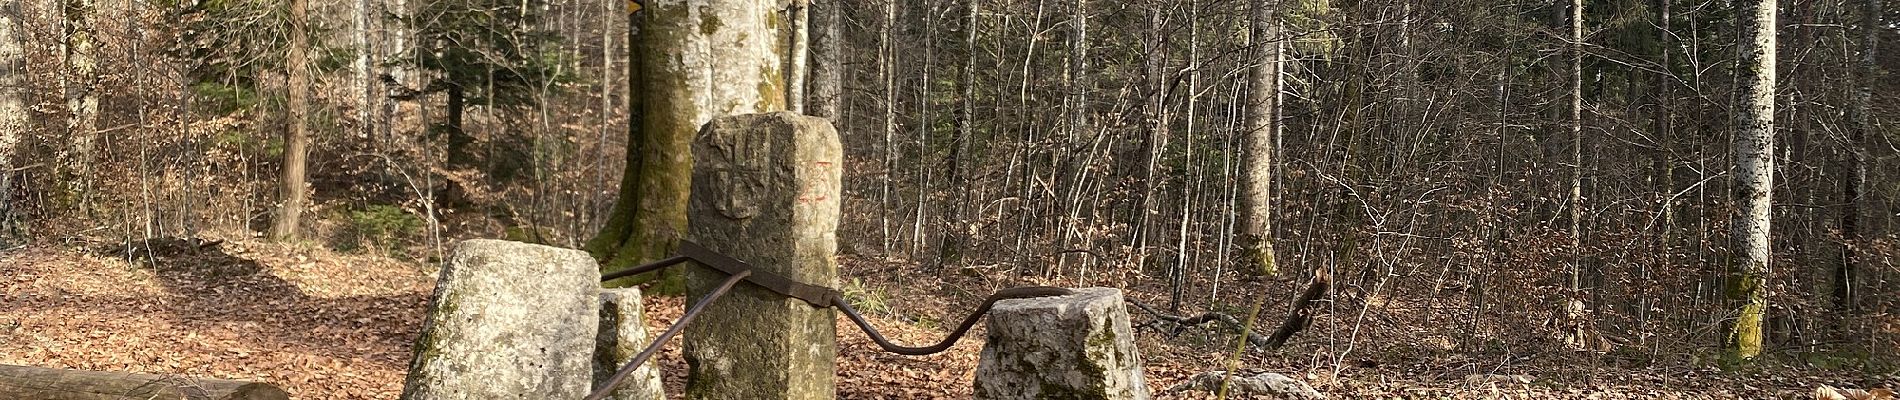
(1754,180)
(1256,208)
(693,60)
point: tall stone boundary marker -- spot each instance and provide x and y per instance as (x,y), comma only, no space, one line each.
(765,191)
(1078,346)
(508,321)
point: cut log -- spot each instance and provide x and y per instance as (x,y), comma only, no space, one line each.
(34,383)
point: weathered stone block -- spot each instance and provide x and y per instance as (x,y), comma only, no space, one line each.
(623,334)
(508,321)
(1078,346)
(765,191)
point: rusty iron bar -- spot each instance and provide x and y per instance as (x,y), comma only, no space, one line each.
(968,322)
(621,375)
(644,268)
(816,296)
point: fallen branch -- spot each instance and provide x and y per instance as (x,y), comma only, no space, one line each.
(1300,315)
(1181,324)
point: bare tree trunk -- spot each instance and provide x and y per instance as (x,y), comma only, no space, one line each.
(686,73)
(1573,307)
(80,79)
(589,212)
(359,15)
(1665,134)
(1576,146)
(1754,178)
(1079,124)
(825,89)
(13,109)
(1177,274)
(950,252)
(1860,123)
(13,93)
(460,145)
(1155,119)
(919,238)
(1256,208)
(887,56)
(296,139)
(800,61)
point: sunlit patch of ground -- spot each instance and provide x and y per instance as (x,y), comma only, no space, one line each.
(322,326)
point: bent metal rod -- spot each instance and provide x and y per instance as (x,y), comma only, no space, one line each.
(816,296)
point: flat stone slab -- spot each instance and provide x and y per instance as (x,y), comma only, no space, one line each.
(508,321)
(1079,346)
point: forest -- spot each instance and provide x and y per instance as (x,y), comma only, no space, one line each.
(1380,198)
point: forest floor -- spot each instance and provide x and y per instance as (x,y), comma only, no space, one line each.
(328,325)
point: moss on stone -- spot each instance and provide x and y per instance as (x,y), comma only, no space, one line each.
(708,24)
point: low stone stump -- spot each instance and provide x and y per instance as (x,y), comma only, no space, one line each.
(508,321)
(623,334)
(1078,346)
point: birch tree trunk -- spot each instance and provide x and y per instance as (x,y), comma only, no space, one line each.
(296,139)
(693,60)
(800,58)
(359,16)
(886,61)
(1754,179)
(1256,173)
